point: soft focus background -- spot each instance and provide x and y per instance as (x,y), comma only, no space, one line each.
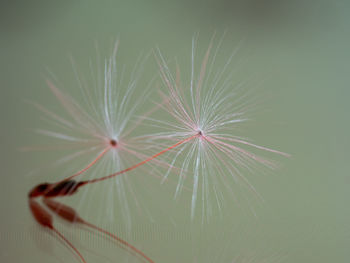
(298,52)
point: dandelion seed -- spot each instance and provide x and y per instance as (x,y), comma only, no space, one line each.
(207,109)
(100,129)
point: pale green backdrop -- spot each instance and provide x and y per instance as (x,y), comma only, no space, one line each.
(298,53)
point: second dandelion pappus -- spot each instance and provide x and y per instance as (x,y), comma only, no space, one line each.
(206,110)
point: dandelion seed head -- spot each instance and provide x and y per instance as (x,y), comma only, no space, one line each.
(99,124)
(208,103)
(113,143)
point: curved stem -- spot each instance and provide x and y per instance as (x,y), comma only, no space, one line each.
(88,166)
(69,244)
(120,241)
(140,163)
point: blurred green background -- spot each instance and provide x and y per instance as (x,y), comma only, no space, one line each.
(300,52)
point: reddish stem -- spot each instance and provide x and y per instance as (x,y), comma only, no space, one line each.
(69,214)
(120,241)
(87,167)
(69,244)
(140,163)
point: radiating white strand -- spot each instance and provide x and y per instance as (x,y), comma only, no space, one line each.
(172,163)
(195,183)
(184,168)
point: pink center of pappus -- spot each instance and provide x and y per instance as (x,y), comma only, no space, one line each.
(200,134)
(113,143)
